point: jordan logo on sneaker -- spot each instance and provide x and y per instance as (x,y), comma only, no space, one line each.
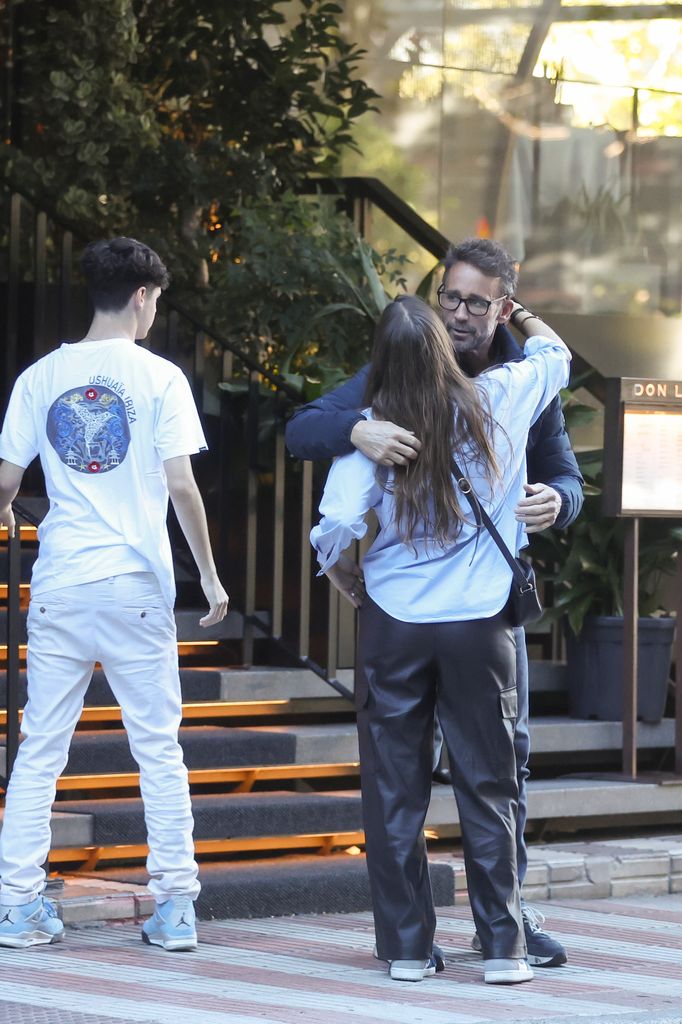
(182,921)
(7,917)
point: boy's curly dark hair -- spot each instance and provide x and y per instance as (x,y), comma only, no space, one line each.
(115,268)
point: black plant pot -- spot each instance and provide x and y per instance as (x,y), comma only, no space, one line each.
(594,663)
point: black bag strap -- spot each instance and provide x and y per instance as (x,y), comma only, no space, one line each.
(482,516)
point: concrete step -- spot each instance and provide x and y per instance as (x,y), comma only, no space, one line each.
(213,684)
(207,746)
(101,752)
(88,901)
(201,705)
(287,885)
(255,684)
(557,734)
(239,815)
(275,683)
(197,684)
(562,804)
(578,800)
(222,746)
(265,683)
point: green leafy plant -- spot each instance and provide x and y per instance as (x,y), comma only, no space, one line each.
(585,562)
(161,119)
(296,286)
(192,125)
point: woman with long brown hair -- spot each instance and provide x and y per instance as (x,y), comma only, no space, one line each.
(435,632)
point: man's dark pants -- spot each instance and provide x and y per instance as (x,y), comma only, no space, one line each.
(521,749)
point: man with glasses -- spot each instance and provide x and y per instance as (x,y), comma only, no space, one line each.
(476,303)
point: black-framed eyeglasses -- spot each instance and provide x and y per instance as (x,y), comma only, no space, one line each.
(475,305)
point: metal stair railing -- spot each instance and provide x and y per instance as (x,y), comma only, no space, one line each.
(12,659)
(13,642)
(357,196)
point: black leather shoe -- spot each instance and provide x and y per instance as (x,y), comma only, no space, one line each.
(442,775)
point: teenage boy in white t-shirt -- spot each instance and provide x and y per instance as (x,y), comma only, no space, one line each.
(114,427)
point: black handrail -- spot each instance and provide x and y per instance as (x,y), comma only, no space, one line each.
(252,364)
(374,191)
(348,188)
(352,190)
(70,226)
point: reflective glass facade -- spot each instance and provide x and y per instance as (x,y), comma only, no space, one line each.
(558,135)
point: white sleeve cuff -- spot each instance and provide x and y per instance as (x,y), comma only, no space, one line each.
(331,540)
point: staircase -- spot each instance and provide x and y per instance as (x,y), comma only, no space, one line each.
(273,763)
(268,728)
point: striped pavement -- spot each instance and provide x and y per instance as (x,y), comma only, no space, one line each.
(625,964)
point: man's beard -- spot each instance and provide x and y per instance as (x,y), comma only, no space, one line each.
(467,342)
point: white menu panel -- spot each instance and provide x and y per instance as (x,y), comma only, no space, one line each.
(652,460)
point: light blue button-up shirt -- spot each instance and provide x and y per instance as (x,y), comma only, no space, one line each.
(465,580)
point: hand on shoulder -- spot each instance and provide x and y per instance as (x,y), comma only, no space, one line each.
(384,442)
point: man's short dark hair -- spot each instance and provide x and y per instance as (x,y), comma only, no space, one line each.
(115,268)
(487,256)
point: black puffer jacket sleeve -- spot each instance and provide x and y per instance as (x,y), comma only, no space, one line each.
(551,461)
(322,429)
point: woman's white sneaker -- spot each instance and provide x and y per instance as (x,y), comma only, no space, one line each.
(411,970)
(506,972)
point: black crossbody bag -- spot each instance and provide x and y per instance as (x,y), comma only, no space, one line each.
(524,602)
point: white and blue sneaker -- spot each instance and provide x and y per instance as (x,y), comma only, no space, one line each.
(31,924)
(172,925)
(543,949)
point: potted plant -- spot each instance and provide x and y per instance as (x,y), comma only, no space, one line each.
(585,564)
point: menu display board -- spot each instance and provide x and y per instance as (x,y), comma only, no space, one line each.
(652,460)
(643,448)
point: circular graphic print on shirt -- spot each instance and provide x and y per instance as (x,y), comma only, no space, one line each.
(88,429)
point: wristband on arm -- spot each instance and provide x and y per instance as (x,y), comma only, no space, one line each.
(526,313)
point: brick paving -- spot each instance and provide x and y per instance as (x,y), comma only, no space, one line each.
(625,964)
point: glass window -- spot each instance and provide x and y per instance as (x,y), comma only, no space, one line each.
(562,138)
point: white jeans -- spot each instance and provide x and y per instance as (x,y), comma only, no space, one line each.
(124,623)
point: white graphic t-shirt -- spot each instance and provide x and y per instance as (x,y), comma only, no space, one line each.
(103,416)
